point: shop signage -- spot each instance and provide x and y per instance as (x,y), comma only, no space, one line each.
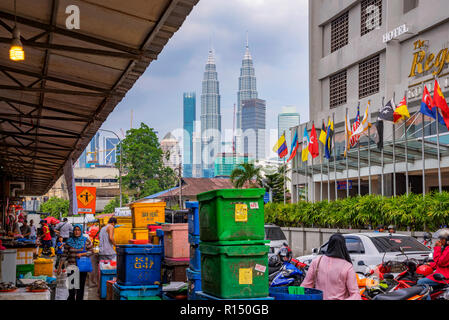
(425,61)
(395,33)
(341,185)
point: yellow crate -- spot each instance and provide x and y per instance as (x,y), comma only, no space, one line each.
(140,233)
(123,234)
(144,214)
(43,267)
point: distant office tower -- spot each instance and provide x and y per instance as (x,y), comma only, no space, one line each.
(197,171)
(189,119)
(82,161)
(170,146)
(110,150)
(225,163)
(93,156)
(287,119)
(253,127)
(210,117)
(247,91)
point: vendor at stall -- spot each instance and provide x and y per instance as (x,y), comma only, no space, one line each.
(25,230)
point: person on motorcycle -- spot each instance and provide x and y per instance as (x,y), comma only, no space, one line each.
(440,258)
(391,229)
(285,254)
(428,240)
(333,273)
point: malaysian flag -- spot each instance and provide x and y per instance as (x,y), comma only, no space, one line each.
(354,139)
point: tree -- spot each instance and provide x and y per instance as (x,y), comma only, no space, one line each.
(54,206)
(142,159)
(275,182)
(246,172)
(115,203)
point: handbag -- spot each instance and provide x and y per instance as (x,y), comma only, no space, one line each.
(84,264)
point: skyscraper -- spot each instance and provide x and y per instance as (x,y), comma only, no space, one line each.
(287,119)
(247,91)
(253,127)
(210,117)
(110,150)
(189,119)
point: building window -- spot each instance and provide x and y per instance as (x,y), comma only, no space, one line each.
(339,32)
(369,77)
(370,20)
(337,90)
(410,5)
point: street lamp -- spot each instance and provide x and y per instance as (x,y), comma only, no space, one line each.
(120,168)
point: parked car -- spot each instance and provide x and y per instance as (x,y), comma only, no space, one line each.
(276,236)
(368,249)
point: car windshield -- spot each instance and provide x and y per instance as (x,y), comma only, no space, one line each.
(394,243)
(274,233)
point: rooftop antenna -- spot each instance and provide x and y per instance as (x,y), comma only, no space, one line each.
(233,133)
(247,41)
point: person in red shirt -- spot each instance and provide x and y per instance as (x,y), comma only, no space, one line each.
(46,238)
(440,260)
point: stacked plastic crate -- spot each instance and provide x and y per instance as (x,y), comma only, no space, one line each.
(194,270)
(234,254)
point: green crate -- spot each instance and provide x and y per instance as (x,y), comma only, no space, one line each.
(231,215)
(235,271)
(24,269)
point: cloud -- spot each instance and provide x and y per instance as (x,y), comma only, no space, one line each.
(278,38)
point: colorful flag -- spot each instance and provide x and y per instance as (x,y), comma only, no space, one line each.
(354,138)
(440,102)
(427,109)
(305,146)
(328,144)
(294,147)
(401,112)
(347,134)
(281,147)
(363,127)
(323,134)
(387,111)
(314,148)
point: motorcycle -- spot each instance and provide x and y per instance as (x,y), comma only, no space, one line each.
(285,273)
(440,292)
(419,292)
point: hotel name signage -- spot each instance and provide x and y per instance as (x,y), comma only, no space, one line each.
(425,61)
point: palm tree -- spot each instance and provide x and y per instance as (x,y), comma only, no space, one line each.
(246,172)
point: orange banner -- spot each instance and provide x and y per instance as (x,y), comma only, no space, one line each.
(86,198)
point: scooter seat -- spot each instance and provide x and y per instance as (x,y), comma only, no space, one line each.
(402,294)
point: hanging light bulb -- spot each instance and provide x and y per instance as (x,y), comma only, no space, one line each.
(16,52)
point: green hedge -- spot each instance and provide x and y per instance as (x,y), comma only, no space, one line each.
(406,212)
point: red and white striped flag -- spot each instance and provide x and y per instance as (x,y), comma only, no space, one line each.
(354,139)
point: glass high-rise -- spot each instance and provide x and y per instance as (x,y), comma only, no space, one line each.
(247,91)
(210,117)
(289,118)
(253,127)
(189,115)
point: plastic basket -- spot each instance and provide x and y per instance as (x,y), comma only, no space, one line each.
(282,293)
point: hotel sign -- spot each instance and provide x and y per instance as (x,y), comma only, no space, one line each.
(425,61)
(399,31)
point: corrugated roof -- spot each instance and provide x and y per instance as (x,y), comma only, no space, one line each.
(54,102)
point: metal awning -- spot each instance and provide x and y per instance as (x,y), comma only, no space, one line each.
(53,103)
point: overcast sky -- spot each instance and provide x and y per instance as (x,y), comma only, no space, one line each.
(278,39)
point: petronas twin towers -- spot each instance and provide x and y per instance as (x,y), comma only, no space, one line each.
(210,108)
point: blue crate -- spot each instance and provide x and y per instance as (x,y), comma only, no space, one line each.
(194,284)
(193,218)
(139,264)
(204,296)
(194,239)
(281,293)
(137,292)
(106,275)
(195,257)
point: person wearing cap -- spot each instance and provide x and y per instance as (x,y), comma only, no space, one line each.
(440,260)
(391,229)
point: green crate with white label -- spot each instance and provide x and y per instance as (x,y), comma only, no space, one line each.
(235,269)
(231,215)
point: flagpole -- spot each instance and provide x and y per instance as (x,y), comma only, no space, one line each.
(437,116)
(394,155)
(328,173)
(335,158)
(313,183)
(358,158)
(285,173)
(369,151)
(347,150)
(321,182)
(382,155)
(306,184)
(423,159)
(406,152)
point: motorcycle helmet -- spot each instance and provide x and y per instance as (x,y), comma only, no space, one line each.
(391,227)
(285,254)
(427,236)
(443,234)
(424,270)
